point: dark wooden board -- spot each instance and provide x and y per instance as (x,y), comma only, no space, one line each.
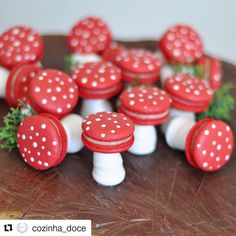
(162,193)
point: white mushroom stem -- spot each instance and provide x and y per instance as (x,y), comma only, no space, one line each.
(78,58)
(4,73)
(145,140)
(166,72)
(108,169)
(173,112)
(72,123)
(176,132)
(91,106)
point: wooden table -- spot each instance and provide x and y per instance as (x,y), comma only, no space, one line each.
(162,193)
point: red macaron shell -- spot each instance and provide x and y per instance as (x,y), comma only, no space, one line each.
(97,80)
(211,145)
(145,105)
(181,44)
(18,82)
(53,92)
(108,132)
(212,71)
(138,64)
(188,93)
(20,45)
(42,141)
(110,53)
(89,35)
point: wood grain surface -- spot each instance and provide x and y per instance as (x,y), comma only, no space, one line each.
(162,193)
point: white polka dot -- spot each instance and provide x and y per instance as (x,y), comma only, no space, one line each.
(94,84)
(35,144)
(213,126)
(84,80)
(87,128)
(43,126)
(113,131)
(131,95)
(176,87)
(53,98)
(229,146)
(31,159)
(43,147)
(44,139)
(59,110)
(217,159)
(227,157)
(227,128)
(30,137)
(128,124)
(227,139)
(49,153)
(198,145)
(31,128)
(89,122)
(219,133)
(37,89)
(218,147)
(37,134)
(23,137)
(118,126)
(98,119)
(44,101)
(58,89)
(103,135)
(40,162)
(204,152)
(213,142)
(46,164)
(38,153)
(205,164)
(206,132)
(132,103)
(49,90)
(212,154)
(54,143)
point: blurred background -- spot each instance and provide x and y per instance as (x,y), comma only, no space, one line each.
(132,20)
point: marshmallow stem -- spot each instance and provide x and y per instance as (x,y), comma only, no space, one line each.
(78,58)
(177,113)
(145,140)
(91,106)
(166,72)
(73,125)
(108,169)
(4,73)
(176,132)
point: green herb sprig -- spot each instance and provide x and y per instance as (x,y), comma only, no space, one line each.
(8,133)
(222,104)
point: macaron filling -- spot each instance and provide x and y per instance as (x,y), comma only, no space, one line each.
(104,143)
(145,116)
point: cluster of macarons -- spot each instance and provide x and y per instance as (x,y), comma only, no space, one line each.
(101,69)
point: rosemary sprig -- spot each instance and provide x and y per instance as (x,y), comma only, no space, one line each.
(222,104)
(8,133)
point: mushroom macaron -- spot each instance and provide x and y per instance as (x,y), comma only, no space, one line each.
(139,66)
(146,107)
(43,140)
(20,45)
(211,71)
(208,144)
(108,134)
(189,95)
(14,87)
(88,39)
(181,44)
(97,82)
(54,92)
